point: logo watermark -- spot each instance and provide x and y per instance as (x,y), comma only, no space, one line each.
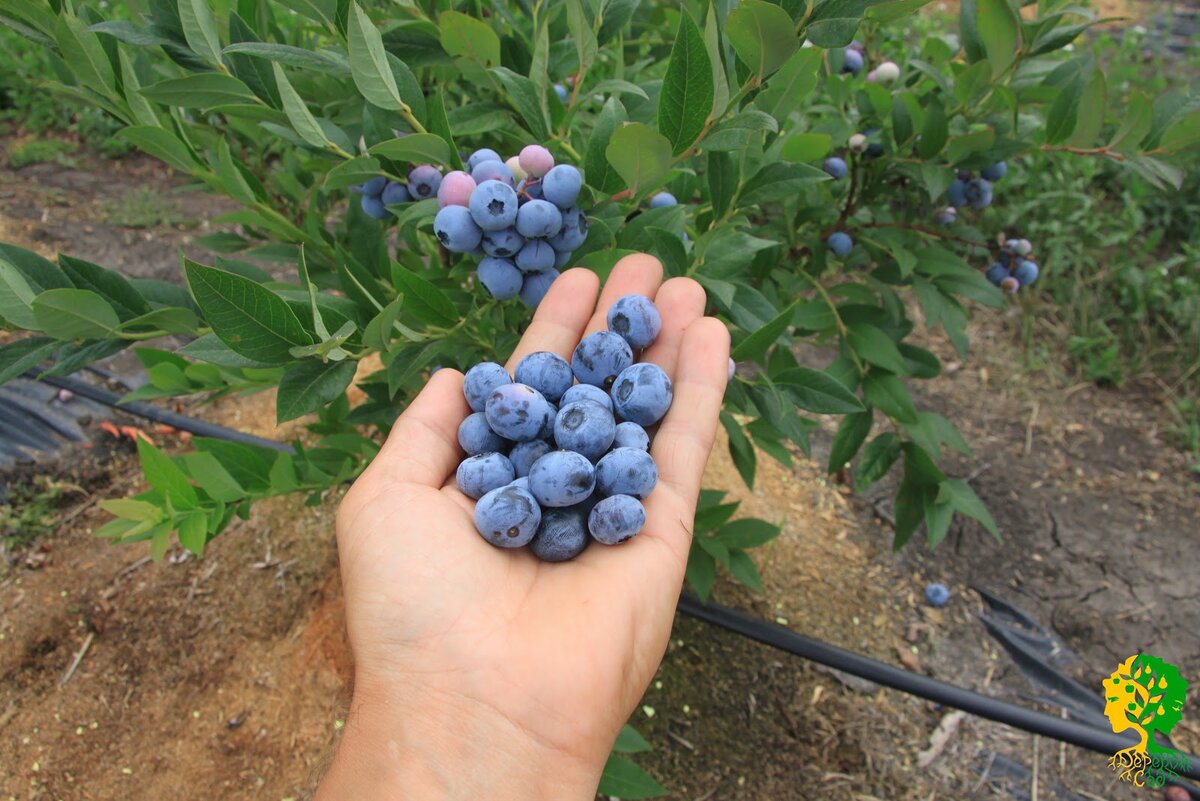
(1146,694)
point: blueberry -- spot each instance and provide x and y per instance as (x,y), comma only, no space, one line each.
(1024,247)
(539,219)
(996,273)
(978,193)
(514,166)
(587,392)
(561,91)
(455,229)
(662,200)
(1026,272)
(536,286)
(626,471)
(394,194)
(424,181)
(852,61)
(1010,285)
(517,412)
(946,216)
(937,594)
(1012,245)
(536,160)
(636,319)
(522,482)
(562,258)
(374,208)
(836,167)
(586,428)
(529,189)
(840,243)
(475,436)
(508,517)
(561,185)
(480,381)
(479,475)
(503,244)
(616,519)
(958,192)
(373,187)
(547,432)
(524,454)
(996,171)
(562,478)
(455,189)
(481,155)
(493,171)
(642,394)
(500,278)
(547,372)
(600,357)
(574,230)
(563,534)
(629,435)
(732,370)
(494,205)
(536,256)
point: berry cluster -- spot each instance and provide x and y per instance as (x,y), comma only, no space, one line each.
(547,460)
(975,191)
(379,193)
(1014,270)
(518,216)
(853,59)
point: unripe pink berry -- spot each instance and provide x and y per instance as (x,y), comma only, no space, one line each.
(536,160)
(514,164)
(1010,285)
(456,189)
(872,77)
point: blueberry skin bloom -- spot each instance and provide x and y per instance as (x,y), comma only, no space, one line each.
(563,534)
(958,192)
(535,256)
(374,208)
(937,594)
(836,168)
(500,278)
(394,193)
(561,186)
(574,230)
(481,155)
(517,412)
(455,229)
(494,205)
(996,171)
(630,435)
(600,358)
(636,319)
(479,475)
(586,428)
(616,519)
(524,454)
(424,181)
(480,381)
(840,243)
(642,394)
(587,392)
(979,193)
(626,471)
(996,273)
(663,200)
(536,286)
(547,372)
(539,219)
(852,61)
(372,188)
(562,478)
(493,171)
(475,436)
(1026,272)
(502,244)
(508,517)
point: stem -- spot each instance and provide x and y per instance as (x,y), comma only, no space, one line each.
(1087,151)
(843,331)
(412,121)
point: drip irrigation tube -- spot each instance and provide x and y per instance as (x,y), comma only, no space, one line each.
(748,626)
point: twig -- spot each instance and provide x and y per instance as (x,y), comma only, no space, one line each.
(1029,428)
(940,738)
(83,649)
(681,741)
(1033,781)
(987,769)
(132,567)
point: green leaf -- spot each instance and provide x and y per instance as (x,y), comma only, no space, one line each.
(737,133)
(69,314)
(24,354)
(1064,111)
(749,532)
(613,86)
(600,174)
(248,318)
(876,460)
(165,476)
(888,393)
(626,780)
(440,125)
(193,531)
(729,254)
(963,499)
(369,62)
(722,181)
(754,347)
(630,742)
(788,88)
(778,181)
(200,30)
(851,434)
(762,35)
(467,37)
(817,391)
(686,98)
(201,90)
(302,120)
(422,297)
(352,171)
(744,570)
(701,570)
(712,43)
(937,522)
(143,112)
(132,509)
(209,348)
(173,320)
(582,33)
(968,31)
(1181,134)
(876,347)
(640,155)
(16,297)
(1139,118)
(834,22)
(424,148)
(525,99)
(310,385)
(935,130)
(740,449)
(212,477)
(999,30)
(1092,105)
(292,56)
(248,465)
(161,144)
(806,147)
(85,55)
(109,284)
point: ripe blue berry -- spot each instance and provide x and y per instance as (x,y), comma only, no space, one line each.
(562,478)
(503,244)
(629,435)
(394,194)
(455,229)
(662,200)
(946,216)
(536,256)
(373,187)
(493,171)
(480,381)
(600,358)
(562,258)
(547,432)
(636,319)
(840,243)
(494,205)
(475,436)
(732,370)
(937,594)
(521,482)
(508,516)
(616,519)
(374,208)
(852,61)
(536,286)
(561,91)
(836,167)
(586,428)
(517,412)
(979,193)
(539,219)
(479,475)
(500,278)
(561,185)
(524,454)
(587,392)
(481,155)
(547,372)
(423,181)
(642,394)
(626,471)
(574,230)
(996,273)
(996,171)
(957,192)
(563,534)
(1026,272)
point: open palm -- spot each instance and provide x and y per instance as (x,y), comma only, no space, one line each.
(557,653)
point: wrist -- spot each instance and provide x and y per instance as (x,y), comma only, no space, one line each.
(404,746)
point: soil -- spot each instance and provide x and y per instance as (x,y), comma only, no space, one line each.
(229,675)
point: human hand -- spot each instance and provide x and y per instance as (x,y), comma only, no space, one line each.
(485,673)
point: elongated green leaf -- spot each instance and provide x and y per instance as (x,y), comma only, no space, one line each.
(959,495)
(310,385)
(740,449)
(525,100)
(248,318)
(166,476)
(201,90)
(737,133)
(1000,31)
(1139,119)
(415,149)
(630,742)
(423,298)
(200,30)
(1064,112)
(24,354)
(143,112)
(749,532)
(888,393)
(302,120)
(16,297)
(833,22)
(600,174)
(468,37)
(754,347)
(762,35)
(806,147)
(877,459)
(701,570)
(640,155)
(778,181)
(934,132)
(109,284)
(686,98)
(851,434)
(789,87)
(161,144)
(1092,105)
(876,347)
(74,314)
(84,54)
(817,391)
(292,56)
(722,181)
(712,43)
(369,63)
(582,33)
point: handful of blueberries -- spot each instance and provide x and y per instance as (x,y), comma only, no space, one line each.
(1014,270)
(553,463)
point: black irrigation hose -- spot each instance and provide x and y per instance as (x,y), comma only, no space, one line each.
(741,623)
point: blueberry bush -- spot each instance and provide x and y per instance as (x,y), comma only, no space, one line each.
(822,170)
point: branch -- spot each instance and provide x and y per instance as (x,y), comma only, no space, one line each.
(1086,151)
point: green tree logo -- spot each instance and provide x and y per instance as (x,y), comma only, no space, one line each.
(1147,695)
